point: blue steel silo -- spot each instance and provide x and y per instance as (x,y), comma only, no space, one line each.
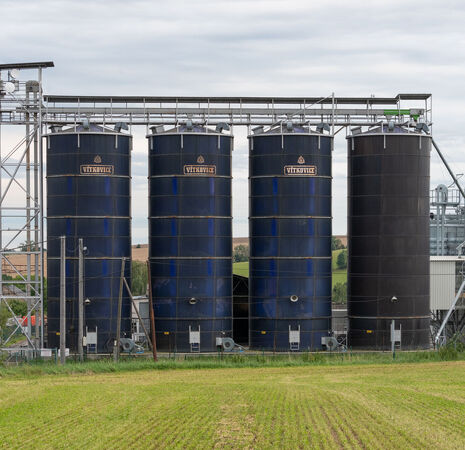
(88,197)
(290,238)
(190,237)
(388,238)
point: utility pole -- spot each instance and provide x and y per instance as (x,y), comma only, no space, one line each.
(120,304)
(81,301)
(63,300)
(393,342)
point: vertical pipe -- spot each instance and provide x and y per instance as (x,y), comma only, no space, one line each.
(40,209)
(63,300)
(120,303)
(81,301)
(332,113)
(443,228)
(152,315)
(437,222)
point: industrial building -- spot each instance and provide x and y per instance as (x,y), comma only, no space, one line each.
(447,261)
(195,304)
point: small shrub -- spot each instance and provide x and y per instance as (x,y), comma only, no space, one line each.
(340,293)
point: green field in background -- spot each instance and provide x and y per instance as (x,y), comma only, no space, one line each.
(357,406)
(339,275)
(241,268)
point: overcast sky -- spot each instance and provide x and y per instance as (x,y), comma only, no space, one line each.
(280,48)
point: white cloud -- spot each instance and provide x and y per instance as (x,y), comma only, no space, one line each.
(249,48)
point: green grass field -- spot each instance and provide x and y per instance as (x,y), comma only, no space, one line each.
(339,275)
(241,268)
(354,406)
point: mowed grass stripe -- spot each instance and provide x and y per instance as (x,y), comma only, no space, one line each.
(358,406)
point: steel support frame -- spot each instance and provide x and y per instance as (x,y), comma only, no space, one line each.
(21,206)
(248,111)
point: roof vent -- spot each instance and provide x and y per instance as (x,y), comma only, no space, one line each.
(222,126)
(121,126)
(421,126)
(322,127)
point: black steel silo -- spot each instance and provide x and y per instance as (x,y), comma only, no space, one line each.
(88,197)
(388,238)
(290,239)
(190,237)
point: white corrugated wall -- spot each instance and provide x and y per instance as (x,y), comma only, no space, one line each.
(442,283)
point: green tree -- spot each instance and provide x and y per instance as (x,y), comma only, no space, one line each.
(241,253)
(340,293)
(4,316)
(33,247)
(342,260)
(18,306)
(336,244)
(139,278)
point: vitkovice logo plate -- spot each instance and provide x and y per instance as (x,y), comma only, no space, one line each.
(97,168)
(199,169)
(300,169)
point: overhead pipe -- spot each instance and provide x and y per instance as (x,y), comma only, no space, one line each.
(456,181)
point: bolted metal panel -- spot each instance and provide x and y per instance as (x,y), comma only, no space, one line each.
(88,197)
(190,237)
(388,238)
(290,239)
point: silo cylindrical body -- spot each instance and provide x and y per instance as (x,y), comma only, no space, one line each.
(89,197)
(388,238)
(290,239)
(190,237)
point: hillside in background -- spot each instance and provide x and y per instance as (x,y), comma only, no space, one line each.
(339,275)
